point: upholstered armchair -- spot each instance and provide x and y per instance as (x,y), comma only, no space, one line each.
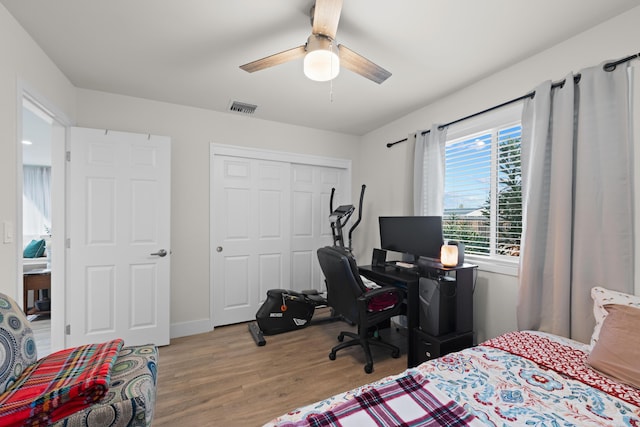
(103,384)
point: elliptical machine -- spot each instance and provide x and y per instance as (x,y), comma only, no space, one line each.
(287,310)
(339,218)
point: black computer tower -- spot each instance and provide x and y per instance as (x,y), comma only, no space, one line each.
(438,305)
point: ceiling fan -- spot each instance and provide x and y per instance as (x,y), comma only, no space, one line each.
(322,56)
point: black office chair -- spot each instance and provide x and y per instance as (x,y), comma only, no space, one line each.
(350,298)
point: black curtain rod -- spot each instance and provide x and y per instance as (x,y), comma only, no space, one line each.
(610,66)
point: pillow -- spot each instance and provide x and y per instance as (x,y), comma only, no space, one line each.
(602,297)
(34,249)
(617,351)
(17,344)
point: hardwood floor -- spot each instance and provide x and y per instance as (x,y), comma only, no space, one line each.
(223,378)
(41,327)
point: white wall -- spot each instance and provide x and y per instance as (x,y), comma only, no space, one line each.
(191,131)
(390,193)
(22,62)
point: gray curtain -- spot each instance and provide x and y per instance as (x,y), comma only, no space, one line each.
(577,185)
(428,172)
(36,192)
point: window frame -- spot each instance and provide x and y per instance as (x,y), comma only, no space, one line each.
(491,121)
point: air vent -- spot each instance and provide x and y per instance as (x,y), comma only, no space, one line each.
(242,108)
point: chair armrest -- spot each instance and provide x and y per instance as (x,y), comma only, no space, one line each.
(367,296)
(364,299)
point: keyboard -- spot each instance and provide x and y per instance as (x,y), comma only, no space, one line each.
(404,264)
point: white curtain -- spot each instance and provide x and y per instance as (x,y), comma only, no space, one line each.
(428,172)
(36,200)
(577,184)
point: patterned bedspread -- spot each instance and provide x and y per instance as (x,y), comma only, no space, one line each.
(518,379)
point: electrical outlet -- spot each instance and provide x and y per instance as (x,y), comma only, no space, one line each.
(8,231)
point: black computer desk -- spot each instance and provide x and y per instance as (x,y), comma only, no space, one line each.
(409,280)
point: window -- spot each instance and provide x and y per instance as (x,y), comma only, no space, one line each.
(482,193)
(36,200)
(482,188)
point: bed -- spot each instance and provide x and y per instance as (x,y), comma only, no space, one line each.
(522,378)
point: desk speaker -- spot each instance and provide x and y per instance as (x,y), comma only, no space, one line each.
(379,258)
(460,246)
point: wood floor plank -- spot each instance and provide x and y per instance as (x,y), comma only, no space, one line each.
(224,378)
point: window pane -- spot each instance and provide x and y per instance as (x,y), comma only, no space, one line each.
(483,207)
(509,201)
(467,191)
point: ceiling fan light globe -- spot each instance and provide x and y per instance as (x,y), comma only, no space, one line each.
(321,65)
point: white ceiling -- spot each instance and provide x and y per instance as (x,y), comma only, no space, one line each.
(188,51)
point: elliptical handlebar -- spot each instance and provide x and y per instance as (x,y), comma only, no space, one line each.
(355,224)
(339,218)
(333,191)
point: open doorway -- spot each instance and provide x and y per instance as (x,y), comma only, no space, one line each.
(37,135)
(45,126)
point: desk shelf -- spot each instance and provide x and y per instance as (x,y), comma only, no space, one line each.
(410,281)
(428,347)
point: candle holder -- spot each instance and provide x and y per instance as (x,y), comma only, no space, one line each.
(449,255)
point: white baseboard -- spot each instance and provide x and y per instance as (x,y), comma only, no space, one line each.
(185,329)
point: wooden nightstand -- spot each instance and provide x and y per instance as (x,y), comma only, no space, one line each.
(35,280)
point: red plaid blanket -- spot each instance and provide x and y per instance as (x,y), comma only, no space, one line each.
(402,402)
(59,385)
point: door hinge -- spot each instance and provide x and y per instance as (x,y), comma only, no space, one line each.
(68,154)
(68,242)
(67,330)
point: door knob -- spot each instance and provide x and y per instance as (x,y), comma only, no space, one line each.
(219,249)
(160,253)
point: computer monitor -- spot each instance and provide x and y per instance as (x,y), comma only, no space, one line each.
(420,236)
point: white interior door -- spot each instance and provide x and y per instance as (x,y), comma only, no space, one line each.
(118,260)
(311,229)
(251,218)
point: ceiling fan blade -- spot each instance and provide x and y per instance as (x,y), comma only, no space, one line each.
(361,65)
(275,59)
(326,14)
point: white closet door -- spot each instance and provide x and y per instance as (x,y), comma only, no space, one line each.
(269,215)
(251,234)
(310,226)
